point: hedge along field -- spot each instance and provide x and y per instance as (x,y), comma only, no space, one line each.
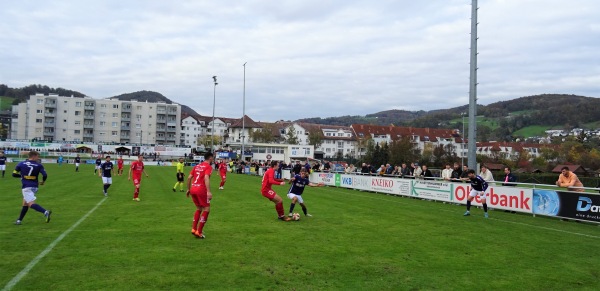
(355,240)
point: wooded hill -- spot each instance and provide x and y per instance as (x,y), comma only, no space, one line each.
(504,120)
(497,121)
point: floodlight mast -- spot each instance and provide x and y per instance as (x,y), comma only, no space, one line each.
(472,141)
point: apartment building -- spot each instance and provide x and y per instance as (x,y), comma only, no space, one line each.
(191,129)
(59,118)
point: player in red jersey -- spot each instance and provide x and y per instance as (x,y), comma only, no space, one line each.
(267,192)
(198,184)
(120,166)
(223,173)
(137,168)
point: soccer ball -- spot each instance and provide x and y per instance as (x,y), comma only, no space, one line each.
(296,216)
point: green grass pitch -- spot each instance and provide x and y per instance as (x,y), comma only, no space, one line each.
(355,241)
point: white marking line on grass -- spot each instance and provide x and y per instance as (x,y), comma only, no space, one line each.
(445,210)
(33,262)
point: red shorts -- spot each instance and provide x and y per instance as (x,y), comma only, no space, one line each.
(201,200)
(137,180)
(269,194)
(223,176)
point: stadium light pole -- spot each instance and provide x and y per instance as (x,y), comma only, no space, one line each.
(212,136)
(472,158)
(244,112)
(462,148)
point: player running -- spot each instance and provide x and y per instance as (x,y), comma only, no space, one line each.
(2,163)
(28,171)
(478,187)
(137,168)
(295,193)
(198,184)
(77,162)
(222,173)
(120,166)
(269,180)
(180,176)
(107,169)
(98,163)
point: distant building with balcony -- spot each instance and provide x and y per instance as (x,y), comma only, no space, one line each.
(59,118)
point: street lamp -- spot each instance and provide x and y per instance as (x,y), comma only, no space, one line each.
(212,139)
(244,112)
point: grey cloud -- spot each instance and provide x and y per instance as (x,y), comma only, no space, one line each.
(305,58)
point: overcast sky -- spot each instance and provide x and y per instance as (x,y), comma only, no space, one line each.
(304,58)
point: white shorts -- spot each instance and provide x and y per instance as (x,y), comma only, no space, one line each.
(107,180)
(29,194)
(2,167)
(299,197)
(98,167)
(76,164)
(475,193)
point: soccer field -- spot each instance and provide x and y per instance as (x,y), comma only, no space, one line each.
(355,240)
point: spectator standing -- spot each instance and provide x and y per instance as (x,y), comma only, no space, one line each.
(447,173)
(464,175)
(427,173)
(418,172)
(568,179)
(456,172)
(404,171)
(509,177)
(364,169)
(486,174)
(297,167)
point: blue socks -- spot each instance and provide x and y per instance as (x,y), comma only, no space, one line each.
(38,208)
(23,212)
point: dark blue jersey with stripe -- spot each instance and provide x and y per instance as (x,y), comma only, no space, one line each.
(29,172)
(479,183)
(298,185)
(107,168)
(2,160)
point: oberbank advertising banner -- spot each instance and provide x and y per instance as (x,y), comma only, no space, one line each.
(577,205)
(499,197)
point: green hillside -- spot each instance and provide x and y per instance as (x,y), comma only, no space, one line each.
(6,102)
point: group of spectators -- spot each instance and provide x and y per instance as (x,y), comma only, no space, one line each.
(416,171)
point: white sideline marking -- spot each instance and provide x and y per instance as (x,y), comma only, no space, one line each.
(445,210)
(33,262)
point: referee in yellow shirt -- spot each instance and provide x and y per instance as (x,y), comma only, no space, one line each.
(180,176)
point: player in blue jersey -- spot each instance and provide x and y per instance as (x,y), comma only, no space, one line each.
(2,163)
(107,169)
(98,163)
(28,171)
(77,162)
(60,160)
(478,187)
(295,193)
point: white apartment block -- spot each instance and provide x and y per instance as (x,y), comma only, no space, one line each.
(191,130)
(58,118)
(337,141)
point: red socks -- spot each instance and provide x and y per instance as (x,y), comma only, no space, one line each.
(203,219)
(279,208)
(196,219)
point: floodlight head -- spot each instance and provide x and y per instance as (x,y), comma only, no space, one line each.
(215,78)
